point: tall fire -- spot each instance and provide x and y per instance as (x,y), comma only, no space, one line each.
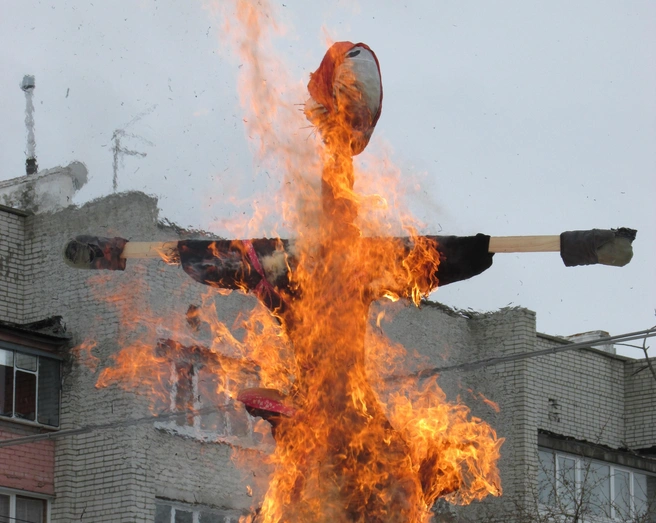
(351,446)
(346,454)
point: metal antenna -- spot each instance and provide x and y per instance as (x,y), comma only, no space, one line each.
(27,85)
(119,150)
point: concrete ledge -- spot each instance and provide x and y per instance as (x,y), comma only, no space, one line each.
(596,451)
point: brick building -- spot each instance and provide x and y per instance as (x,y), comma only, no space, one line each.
(104,457)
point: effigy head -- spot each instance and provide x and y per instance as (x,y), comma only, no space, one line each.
(346,95)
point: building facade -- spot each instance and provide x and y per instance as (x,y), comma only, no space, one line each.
(579,426)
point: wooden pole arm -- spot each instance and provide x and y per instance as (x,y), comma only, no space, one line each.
(524,243)
(164,250)
(497,244)
(607,247)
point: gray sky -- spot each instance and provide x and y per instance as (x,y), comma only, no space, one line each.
(507,118)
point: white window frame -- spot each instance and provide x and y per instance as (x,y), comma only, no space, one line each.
(13,493)
(196,510)
(194,430)
(580,463)
(38,356)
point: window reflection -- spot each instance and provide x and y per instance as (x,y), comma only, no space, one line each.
(622,499)
(546,478)
(596,486)
(567,483)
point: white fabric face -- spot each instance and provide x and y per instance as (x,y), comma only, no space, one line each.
(359,71)
(357,93)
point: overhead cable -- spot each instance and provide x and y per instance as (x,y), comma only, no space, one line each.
(474,365)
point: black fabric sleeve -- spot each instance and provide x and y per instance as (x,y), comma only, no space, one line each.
(95,252)
(218,263)
(582,247)
(462,257)
(229,264)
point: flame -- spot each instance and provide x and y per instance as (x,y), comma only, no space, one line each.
(147,347)
(354,452)
(362,445)
(83,353)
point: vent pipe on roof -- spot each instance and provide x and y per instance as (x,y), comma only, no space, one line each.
(27,85)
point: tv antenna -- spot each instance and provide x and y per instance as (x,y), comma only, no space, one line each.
(120,151)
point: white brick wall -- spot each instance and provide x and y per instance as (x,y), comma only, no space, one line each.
(580,394)
(640,405)
(115,475)
(12,265)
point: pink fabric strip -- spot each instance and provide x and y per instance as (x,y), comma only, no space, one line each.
(264,284)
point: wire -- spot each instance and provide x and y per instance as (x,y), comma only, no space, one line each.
(426,373)
(9,518)
(102,426)
(422,374)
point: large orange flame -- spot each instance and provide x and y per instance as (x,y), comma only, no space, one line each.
(361,447)
(347,456)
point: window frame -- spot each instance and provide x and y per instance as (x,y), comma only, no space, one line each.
(192,425)
(579,467)
(39,354)
(195,358)
(16,493)
(173,506)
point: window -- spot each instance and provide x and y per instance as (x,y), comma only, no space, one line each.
(23,509)
(199,387)
(174,512)
(596,490)
(29,387)
(210,414)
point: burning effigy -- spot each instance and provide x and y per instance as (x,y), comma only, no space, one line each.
(351,447)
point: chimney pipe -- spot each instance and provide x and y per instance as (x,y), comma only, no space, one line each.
(27,85)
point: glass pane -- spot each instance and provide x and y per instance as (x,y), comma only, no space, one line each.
(596,489)
(183,516)
(6,389)
(162,514)
(622,501)
(4,507)
(30,510)
(184,395)
(640,494)
(6,358)
(49,384)
(208,385)
(25,395)
(208,517)
(546,478)
(567,493)
(26,361)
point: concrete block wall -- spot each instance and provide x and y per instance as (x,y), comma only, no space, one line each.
(116,474)
(110,474)
(506,332)
(100,478)
(12,266)
(446,338)
(185,470)
(640,404)
(203,472)
(580,394)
